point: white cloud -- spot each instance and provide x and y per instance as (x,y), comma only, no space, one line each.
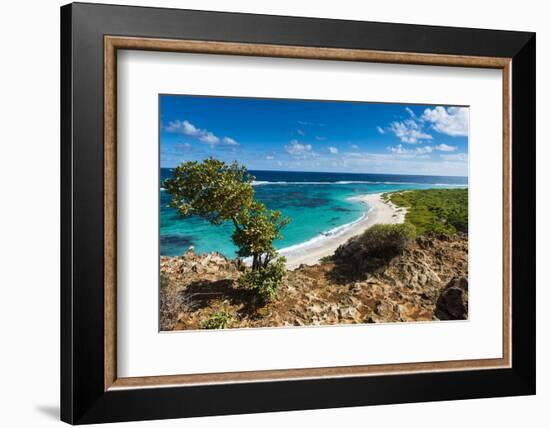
(203,135)
(462,157)
(401,150)
(352,154)
(230,141)
(445,148)
(411,113)
(298,149)
(300,132)
(451,120)
(354,146)
(176,126)
(445,120)
(409,131)
(270,157)
(405,164)
(209,138)
(319,138)
(422,150)
(333,150)
(189,129)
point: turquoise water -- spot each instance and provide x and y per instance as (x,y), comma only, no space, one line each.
(317,203)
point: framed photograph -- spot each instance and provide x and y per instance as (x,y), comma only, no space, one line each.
(266,213)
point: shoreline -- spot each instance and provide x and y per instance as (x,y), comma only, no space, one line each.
(311,252)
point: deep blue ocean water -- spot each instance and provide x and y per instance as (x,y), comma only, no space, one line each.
(317,203)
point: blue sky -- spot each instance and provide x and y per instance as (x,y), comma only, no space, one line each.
(304,135)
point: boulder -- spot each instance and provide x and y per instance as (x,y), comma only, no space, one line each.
(452,303)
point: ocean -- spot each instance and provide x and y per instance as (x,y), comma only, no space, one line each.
(317,203)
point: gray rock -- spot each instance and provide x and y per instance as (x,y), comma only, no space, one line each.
(452,303)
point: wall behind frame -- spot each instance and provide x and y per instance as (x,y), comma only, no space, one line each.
(29,219)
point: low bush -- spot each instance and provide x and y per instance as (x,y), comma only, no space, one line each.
(374,248)
(216,320)
(265,281)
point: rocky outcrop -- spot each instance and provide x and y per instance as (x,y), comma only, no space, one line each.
(419,285)
(194,265)
(452,303)
(189,283)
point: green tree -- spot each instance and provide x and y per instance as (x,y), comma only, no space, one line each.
(220,192)
(257,228)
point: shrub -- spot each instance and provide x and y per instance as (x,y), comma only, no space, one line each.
(375,247)
(265,281)
(221,319)
(385,241)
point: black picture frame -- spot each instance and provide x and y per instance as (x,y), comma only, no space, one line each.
(83,398)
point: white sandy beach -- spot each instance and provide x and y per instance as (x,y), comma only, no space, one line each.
(310,252)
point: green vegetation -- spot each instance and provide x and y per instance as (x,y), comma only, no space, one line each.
(434,210)
(385,241)
(265,281)
(374,248)
(256,228)
(220,192)
(221,319)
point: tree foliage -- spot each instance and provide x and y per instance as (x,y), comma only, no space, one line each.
(257,228)
(212,190)
(220,192)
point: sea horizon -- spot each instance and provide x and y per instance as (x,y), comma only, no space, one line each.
(252,170)
(318,204)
